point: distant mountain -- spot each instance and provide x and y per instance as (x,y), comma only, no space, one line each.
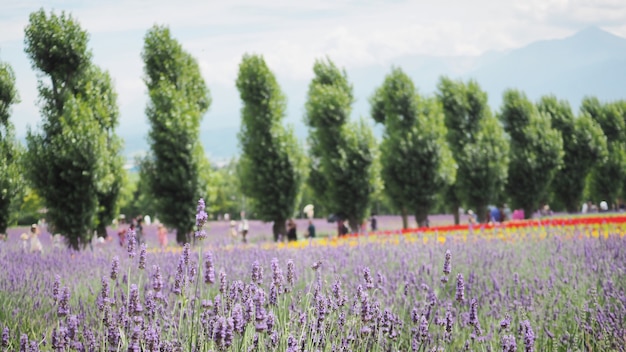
(590,62)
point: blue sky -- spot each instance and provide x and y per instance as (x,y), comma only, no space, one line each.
(290,35)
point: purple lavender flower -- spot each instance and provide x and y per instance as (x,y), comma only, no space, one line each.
(529,336)
(132,242)
(290,272)
(134,305)
(223,283)
(506,322)
(157,280)
(340,300)
(238,319)
(209,270)
(23,342)
(142,256)
(460,288)
(508,343)
(277,274)
(273,295)
(447,267)
(186,252)
(423,329)
(257,273)
(5,337)
(115,267)
(292,344)
(179,277)
(367,275)
(55,288)
(473,317)
(201,219)
(72,327)
(64,300)
(316,265)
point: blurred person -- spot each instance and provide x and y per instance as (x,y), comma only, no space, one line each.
(243,227)
(57,241)
(35,243)
(162,236)
(506,213)
(291,231)
(604,206)
(310,232)
(471,217)
(374,223)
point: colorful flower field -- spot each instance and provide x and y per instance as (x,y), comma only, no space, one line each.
(553,285)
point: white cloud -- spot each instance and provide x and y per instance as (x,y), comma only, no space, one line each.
(291,35)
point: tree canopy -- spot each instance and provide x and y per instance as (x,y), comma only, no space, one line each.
(179,98)
(270,168)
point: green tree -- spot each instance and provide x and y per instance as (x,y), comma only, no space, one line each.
(179,98)
(478,143)
(271,162)
(69,162)
(96,87)
(417,164)
(608,175)
(536,152)
(11,184)
(341,153)
(584,145)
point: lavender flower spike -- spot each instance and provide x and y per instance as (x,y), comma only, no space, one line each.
(447,267)
(201,219)
(460,288)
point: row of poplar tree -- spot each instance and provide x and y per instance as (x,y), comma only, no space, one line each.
(449,146)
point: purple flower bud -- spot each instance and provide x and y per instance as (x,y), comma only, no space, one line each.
(55,288)
(508,343)
(316,265)
(273,295)
(290,272)
(115,267)
(131,243)
(179,277)
(473,317)
(277,274)
(460,288)
(201,219)
(142,256)
(209,271)
(423,328)
(5,337)
(292,344)
(64,301)
(223,283)
(134,305)
(506,322)
(238,319)
(529,336)
(447,267)
(157,280)
(367,275)
(257,273)
(186,252)
(23,342)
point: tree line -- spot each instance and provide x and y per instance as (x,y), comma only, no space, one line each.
(443,151)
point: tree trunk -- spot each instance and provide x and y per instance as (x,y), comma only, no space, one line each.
(354,225)
(405,219)
(455,211)
(182,237)
(421,217)
(528,212)
(279,229)
(481,213)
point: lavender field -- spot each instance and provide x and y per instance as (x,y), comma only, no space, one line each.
(536,289)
